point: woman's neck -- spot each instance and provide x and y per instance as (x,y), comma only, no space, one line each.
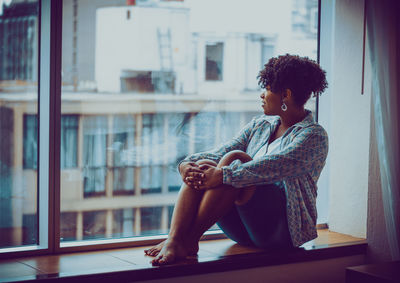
(288,119)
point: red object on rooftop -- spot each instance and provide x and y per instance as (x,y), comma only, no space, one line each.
(131,2)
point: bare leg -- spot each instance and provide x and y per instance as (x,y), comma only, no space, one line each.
(184,212)
(194,214)
(212,208)
(246,193)
(183,216)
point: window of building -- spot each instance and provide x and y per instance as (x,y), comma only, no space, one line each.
(124,157)
(152,153)
(151,221)
(144,105)
(30,141)
(178,146)
(68,227)
(95,130)
(94,225)
(69,141)
(214,61)
(205,131)
(123,223)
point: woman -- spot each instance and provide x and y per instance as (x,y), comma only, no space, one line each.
(260,188)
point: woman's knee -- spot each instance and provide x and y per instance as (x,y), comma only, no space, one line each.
(206,161)
(232,156)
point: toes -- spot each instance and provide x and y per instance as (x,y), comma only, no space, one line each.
(156,261)
(154,253)
(166,259)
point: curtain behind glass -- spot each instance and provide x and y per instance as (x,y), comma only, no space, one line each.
(30,142)
(124,152)
(69,141)
(384,36)
(152,157)
(94,153)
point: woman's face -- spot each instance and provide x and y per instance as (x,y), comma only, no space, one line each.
(271,102)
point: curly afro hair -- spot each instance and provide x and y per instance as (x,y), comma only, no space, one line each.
(301,75)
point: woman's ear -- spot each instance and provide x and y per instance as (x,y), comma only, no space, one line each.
(287,94)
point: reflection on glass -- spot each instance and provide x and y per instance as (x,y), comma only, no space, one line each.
(94,224)
(145,83)
(18,123)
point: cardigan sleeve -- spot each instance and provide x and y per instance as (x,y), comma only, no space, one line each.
(304,154)
(240,142)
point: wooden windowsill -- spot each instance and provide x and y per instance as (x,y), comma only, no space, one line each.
(130,264)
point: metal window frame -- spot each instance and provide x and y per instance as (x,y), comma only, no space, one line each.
(49,102)
(51,43)
(318,56)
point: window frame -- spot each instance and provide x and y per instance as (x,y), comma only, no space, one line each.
(49,140)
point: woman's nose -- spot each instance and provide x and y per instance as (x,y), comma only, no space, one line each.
(262,95)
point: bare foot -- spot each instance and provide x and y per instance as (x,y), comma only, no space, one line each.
(154,251)
(172,251)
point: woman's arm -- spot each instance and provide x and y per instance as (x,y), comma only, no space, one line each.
(306,153)
(212,173)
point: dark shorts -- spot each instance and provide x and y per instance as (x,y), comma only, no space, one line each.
(260,222)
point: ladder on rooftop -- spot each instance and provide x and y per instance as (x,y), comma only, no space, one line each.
(165,49)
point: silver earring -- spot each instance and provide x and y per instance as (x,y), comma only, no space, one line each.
(284,106)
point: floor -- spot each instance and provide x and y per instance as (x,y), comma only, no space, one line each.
(125,259)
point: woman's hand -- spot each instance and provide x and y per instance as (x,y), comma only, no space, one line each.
(191,174)
(212,177)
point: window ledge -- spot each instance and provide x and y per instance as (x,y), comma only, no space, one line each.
(130,265)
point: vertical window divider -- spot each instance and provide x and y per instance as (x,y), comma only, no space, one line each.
(318,56)
(49,123)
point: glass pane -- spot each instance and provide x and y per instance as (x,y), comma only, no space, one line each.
(145,83)
(18,123)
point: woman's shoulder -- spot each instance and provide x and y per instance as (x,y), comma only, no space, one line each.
(312,132)
(309,126)
(264,119)
(317,129)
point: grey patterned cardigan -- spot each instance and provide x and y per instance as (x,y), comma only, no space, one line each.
(297,166)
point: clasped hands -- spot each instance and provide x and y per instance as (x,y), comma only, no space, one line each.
(200,176)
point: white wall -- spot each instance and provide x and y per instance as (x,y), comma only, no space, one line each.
(345,113)
(132,44)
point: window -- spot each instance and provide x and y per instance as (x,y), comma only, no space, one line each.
(94,224)
(132,107)
(18,124)
(30,141)
(68,229)
(124,157)
(205,131)
(143,103)
(69,141)
(152,153)
(123,223)
(214,61)
(178,146)
(305,18)
(94,155)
